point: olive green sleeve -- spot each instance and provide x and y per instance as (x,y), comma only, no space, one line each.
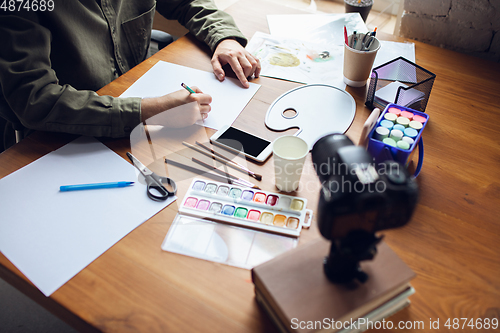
(32,90)
(203,20)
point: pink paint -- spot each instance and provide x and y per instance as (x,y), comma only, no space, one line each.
(190,202)
(253,215)
(203,204)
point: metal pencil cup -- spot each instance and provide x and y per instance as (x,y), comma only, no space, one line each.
(413,85)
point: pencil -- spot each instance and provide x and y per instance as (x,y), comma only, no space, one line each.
(185,86)
(66,188)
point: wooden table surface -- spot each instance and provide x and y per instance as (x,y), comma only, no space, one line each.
(452,241)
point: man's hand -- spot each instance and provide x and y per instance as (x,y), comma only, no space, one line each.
(243,63)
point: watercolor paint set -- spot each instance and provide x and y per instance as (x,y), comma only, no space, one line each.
(396,134)
(247,207)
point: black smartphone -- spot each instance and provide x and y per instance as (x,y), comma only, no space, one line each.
(239,141)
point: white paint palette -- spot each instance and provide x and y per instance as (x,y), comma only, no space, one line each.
(316,109)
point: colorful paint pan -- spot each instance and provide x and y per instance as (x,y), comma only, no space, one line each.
(279,220)
(247,195)
(272,199)
(228,210)
(222,190)
(267,218)
(211,188)
(191,202)
(259,197)
(235,192)
(297,204)
(199,185)
(253,215)
(216,207)
(267,211)
(292,223)
(241,212)
(203,204)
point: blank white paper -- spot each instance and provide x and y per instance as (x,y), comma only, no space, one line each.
(49,235)
(229,97)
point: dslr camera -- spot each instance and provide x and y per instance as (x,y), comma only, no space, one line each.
(357,199)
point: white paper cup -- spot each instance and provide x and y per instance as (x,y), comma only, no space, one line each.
(289,154)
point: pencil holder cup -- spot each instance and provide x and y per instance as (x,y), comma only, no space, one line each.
(359,55)
(401,82)
(397,134)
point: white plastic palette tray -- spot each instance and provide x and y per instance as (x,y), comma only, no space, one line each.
(247,207)
(223,243)
(316,109)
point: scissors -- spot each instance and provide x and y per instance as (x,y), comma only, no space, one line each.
(158,187)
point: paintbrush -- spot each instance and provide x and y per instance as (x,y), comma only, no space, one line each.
(230,162)
(222,179)
(212,168)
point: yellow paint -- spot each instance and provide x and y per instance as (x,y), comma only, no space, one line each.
(297,204)
(284,60)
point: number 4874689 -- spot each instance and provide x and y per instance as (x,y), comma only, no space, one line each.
(27,5)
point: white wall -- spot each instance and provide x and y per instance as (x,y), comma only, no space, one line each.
(468,26)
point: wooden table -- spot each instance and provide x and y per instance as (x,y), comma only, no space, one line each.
(452,241)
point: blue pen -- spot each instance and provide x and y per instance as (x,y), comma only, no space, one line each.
(66,188)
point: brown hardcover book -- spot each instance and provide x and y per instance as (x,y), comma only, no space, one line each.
(296,292)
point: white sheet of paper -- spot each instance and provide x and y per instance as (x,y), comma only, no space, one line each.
(229,98)
(391,50)
(50,235)
(316,27)
(388,94)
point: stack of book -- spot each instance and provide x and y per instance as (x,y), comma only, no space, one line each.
(298,297)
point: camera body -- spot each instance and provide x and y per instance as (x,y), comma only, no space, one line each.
(357,199)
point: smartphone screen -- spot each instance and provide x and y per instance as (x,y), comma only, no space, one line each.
(243,141)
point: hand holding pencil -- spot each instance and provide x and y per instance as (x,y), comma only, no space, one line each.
(179,109)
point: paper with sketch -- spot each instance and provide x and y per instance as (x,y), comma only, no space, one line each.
(297,60)
(50,235)
(229,98)
(328,30)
